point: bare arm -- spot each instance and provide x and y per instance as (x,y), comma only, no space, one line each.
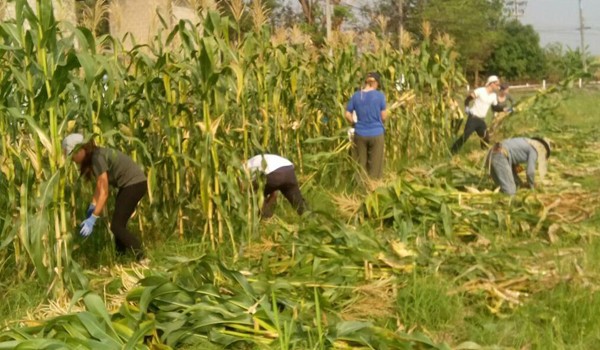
(349,117)
(384,115)
(101,193)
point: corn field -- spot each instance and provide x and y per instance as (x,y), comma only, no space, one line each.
(196,102)
(189,107)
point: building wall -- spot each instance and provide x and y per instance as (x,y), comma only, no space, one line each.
(182,12)
(64,10)
(141,19)
(137,17)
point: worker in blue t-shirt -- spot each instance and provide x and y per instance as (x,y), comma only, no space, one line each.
(370,108)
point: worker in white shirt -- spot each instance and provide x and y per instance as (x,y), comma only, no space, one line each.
(280,176)
(484,98)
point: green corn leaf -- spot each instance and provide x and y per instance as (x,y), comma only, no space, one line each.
(95,305)
(145,328)
(98,332)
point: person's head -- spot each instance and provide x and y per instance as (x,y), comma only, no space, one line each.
(373,80)
(75,147)
(504,88)
(71,146)
(493,83)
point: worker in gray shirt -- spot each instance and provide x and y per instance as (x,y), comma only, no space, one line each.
(505,158)
(109,167)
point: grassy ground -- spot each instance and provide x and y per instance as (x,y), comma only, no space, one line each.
(515,275)
(565,315)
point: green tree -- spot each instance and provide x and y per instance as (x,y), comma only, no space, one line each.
(518,54)
(567,63)
(311,16)
(474,25)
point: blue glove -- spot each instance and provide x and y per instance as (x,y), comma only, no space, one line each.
(90,210)
(87,226)
(510,110)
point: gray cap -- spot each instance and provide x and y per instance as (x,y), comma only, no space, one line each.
(70,142)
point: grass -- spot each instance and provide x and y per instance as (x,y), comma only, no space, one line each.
(565,316)
(523,289)
(21,298)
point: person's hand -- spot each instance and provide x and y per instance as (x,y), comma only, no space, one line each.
(87,226)
(510,110)
(90,210)
(518,168)
(467,110)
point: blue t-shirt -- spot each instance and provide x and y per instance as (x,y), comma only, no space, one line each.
(368,107)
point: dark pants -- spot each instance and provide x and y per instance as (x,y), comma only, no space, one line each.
(125,204)
(283,180)
(474,124)
(368,151)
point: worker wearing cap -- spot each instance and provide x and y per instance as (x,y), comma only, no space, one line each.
(369,105)
(505,158)
(483,98)
(109,167)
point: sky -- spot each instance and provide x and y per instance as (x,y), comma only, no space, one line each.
(558,21)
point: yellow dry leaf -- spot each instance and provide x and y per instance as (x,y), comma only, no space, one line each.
(396,265)
(471,189)
(71,124)
(401,250)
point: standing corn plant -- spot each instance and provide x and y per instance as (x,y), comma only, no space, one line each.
(191,107)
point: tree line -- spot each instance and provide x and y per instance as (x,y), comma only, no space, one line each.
(487,41)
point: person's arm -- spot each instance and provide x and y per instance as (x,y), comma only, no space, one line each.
(516,169)
(101,193)
(349,109)
(383,107)
(511,100)
(349,117)
(531,162)
(497,107)
(511,107)
(470,97)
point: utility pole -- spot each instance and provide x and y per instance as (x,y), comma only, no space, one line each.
(400,24)
(581,37)
(515,8)
(328,18)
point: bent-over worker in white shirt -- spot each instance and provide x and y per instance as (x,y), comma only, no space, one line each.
(280,176)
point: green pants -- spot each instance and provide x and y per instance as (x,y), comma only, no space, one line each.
(368,152)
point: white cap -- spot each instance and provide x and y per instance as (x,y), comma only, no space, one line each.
(492,79)
(70,142)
